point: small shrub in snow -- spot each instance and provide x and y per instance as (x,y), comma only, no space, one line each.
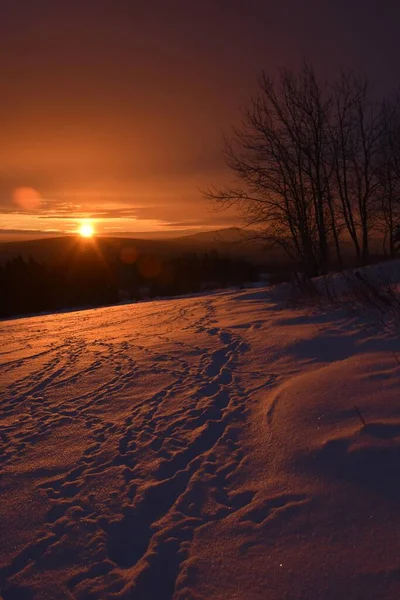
(372,292)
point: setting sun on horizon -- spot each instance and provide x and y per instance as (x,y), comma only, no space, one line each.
(86,230)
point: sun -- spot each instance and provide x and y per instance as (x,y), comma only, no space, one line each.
(86,230)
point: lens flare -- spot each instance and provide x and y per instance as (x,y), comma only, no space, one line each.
(27,198)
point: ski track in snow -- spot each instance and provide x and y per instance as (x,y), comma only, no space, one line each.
(65,369)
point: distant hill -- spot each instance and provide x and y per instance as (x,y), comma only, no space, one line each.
(230,241)
(59,249)
(233,242)
(227,235)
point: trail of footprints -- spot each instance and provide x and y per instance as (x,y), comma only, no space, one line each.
(190,446)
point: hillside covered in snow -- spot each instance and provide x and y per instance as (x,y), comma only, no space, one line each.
(214,447)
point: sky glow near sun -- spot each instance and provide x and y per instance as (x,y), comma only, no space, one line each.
(87,140)
(32,212)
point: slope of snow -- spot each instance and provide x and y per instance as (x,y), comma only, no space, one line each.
(199,448)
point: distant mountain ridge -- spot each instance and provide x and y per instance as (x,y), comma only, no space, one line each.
(230,241)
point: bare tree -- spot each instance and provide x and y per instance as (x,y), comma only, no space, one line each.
(357,130)
(389,175)
(279,156)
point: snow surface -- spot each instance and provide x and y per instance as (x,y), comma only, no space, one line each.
(199,448)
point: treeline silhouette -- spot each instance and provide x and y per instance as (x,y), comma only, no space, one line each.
(90,279)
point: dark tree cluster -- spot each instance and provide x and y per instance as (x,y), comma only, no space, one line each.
(92,279)
(317,168)
(189,273)
(30,287)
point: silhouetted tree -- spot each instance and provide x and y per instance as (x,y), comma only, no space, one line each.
(280,157)
(389,177)
(358,129)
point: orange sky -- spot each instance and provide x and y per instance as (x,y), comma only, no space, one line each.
(117,110)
